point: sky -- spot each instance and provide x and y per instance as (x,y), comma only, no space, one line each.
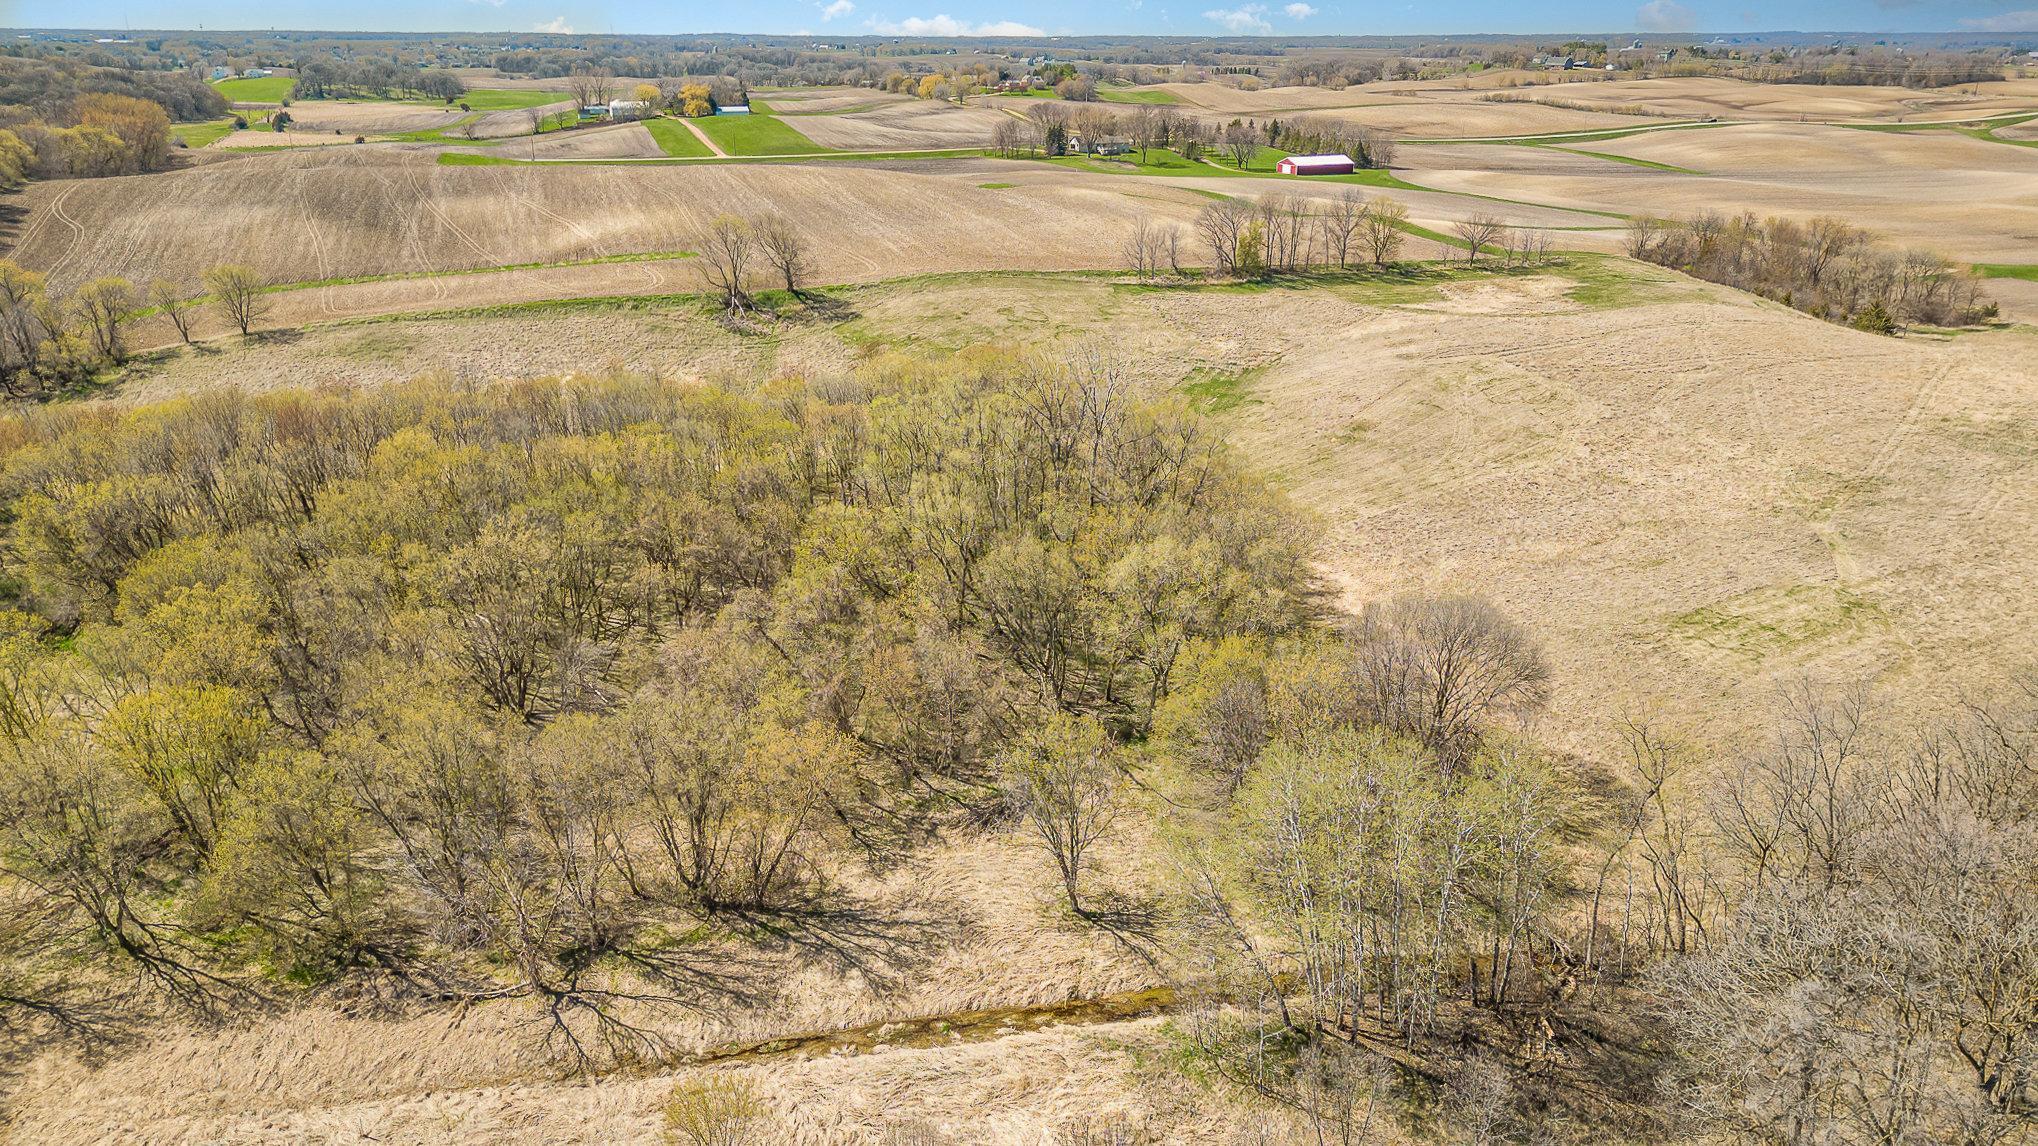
(829,18)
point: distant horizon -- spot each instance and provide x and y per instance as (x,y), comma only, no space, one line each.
(835,35)
(2011,20)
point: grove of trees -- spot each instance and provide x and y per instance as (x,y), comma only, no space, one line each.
(1823,266)
(531,691)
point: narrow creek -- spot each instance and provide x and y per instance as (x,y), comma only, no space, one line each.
(942,1030)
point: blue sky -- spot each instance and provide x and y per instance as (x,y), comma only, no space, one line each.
(980,17)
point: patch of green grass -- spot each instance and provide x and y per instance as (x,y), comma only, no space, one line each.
(1120,95)
(1608,284)
(818,157)
(1599,136)
(200,134)
(1161,161)
(1777,620)
(675,139)
(469,159)
(755,134)
(997,186)
(263,89)
(1214,391)
(1158,161)
(376,346)
(508,99)
(447,134)
(2024,271)
(1630,160)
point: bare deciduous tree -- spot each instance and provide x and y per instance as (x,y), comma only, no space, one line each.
(172,303)
(785,249)
(239,292)
(1146,250)
(590,88)
(1338,226)
(1380,230)
(1222,226)
(1441,669)
(1477,233)
(1643,234)
(727,250)
(103,307)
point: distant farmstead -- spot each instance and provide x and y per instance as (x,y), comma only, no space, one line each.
(620,109)
(1316,165)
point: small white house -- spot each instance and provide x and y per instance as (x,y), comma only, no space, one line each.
(620,109)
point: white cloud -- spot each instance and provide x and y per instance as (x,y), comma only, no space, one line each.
(490,3)
(2024,21)
(1294,11)
(1665,16)
(945,25)
(1243,19)
(838,8)
(557,25)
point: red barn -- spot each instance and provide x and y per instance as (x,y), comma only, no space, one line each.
(1316,165)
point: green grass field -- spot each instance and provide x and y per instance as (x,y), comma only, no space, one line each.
(506,99)
(757,135)
(447,134)
(675,140)
(2022,271)
(1120,95)
(265,89)
(204,132)
(1160,161)
(1630,160)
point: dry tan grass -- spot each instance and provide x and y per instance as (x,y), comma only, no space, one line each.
(362,211)
(616,141)
(370,118)
(801,102)
(1679,504)
(980,917)
(1682,511)
(1963,197)
(901,126)
(1459,111)
(1698,97)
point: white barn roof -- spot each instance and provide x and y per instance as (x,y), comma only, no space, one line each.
(1319,160)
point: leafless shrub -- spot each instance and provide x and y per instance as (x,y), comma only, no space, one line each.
(1442,668)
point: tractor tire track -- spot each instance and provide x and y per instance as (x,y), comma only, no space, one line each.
(431,203)
(318,246)
(77,230)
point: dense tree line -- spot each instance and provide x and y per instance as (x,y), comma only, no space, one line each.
(51,341)
(523,691)
(1824,266)
(382,78)
(49,89)
(98,135)
(1849,67)
(1832,936)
